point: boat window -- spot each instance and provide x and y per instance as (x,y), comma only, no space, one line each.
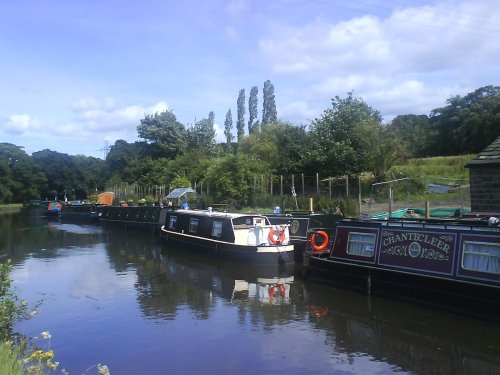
(481,257)
(193,225)
(217,228)
(172,223)
(259,221)
(361,244)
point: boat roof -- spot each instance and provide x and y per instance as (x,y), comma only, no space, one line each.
(231,215)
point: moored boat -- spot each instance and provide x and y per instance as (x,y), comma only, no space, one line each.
(53,209)
(81,210)
(301,223)
(245,237)
(447,263)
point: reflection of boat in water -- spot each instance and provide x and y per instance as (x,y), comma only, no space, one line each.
(244,237)
(232,281)
(413,338)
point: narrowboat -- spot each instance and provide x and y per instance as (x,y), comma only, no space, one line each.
(453,264)
(301,223)
(147,218)
(53,209)
(250,238)
(81,210)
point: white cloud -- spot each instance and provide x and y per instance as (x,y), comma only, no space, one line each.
(104,120)
(107,116)
(410,61)
(20,124)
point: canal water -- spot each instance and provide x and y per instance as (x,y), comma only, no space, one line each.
(124,299)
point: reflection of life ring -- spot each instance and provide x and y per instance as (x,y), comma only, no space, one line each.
(272,289)
(320,247)
(280,236)
(318,312)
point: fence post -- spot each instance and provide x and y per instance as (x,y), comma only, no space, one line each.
(303,185)
(347,186)
(317,182)
(281,185)
(359,193)
(271,184)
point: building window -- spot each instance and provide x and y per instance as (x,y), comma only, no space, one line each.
(193,225)
(361,244)
(481,257)
(172,222)
(217,228)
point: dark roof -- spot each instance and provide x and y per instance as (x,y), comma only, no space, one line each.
(490,155)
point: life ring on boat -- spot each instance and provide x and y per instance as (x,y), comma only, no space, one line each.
(323,244)
(280,236)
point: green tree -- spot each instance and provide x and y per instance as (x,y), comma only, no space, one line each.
(20,178)
(467,124)
(281,145)
(232,178)
(202,134)
(240,123)
(252,110)
(77,177)
(165,131)
(228,127)
(380,147)
(416,131)
(337,151)
(269,114)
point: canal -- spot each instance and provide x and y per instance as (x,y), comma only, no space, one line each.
(124,299)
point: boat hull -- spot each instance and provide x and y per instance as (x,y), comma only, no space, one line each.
(268,255)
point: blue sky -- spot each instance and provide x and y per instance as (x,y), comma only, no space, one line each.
(78,74)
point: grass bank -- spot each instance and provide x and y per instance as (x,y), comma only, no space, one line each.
(14,207)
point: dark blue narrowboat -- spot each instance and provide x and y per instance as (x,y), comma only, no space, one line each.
(250,238)
(81,210)
(453,263)
(301,223)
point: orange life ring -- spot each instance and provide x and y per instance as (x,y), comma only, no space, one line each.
(322,246)
(280,238)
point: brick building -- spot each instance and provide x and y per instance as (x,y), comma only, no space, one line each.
(484,174)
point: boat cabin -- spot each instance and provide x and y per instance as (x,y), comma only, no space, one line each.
(239,235)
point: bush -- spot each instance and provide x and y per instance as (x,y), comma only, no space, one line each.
(12,309)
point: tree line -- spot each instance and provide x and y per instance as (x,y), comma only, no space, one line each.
(347,139)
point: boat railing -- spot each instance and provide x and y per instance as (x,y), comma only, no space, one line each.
(458,225)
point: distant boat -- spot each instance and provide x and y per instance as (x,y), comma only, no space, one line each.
(250,238)
(77,209)
(53,209)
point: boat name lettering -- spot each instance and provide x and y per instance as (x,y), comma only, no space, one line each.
(392,238)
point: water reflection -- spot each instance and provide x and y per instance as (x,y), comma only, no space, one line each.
(111,292)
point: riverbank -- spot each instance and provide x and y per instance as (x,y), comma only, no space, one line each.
(14,207)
